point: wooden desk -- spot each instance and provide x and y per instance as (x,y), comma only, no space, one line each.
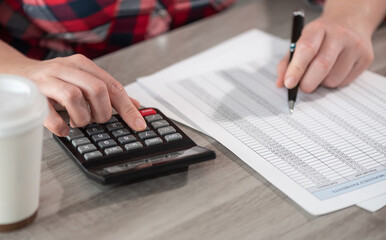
(220,199)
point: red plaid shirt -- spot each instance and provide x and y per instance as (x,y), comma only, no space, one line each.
(43,29)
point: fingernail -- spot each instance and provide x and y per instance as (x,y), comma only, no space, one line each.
(140,123)
(289,82)
(65,132)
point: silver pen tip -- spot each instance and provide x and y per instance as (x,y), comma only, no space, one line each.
(291,105)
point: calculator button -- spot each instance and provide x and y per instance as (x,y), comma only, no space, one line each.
(107,143)
(153,141)
(147,129)
(159,124)
(91,125)
(92,155)
(166,130)
(80,141)
(173,137)
(146,135)
(121,132)
(94,130)
(133,146)
(100,137)
(74,133)
(113,119)
(86,148)
(154,117)
(114,126)
(148,111)
(113,150)
(127,139)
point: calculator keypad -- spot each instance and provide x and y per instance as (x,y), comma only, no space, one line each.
(100,137)
(94,130)
(159,124)
(146,135)
(112,152)
(114,137)
(86,148)
(153,141)
(127,139)
(74,133)
(133,146)
(80,141)
(92,155)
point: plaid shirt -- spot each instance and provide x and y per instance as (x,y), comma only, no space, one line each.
(44,29)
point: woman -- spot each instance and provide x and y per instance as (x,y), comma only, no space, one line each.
(332,50)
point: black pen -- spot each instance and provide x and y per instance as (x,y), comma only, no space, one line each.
(297,27)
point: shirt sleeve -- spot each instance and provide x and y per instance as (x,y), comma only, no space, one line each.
(187,11)
(318,5)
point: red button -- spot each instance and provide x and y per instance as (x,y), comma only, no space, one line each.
(148,111)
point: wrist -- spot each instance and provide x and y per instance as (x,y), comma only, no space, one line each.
(18,65)
(358,15)
(357,23)
(14,62)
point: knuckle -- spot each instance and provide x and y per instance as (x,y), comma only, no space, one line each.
(343,32)
(53,67)
(81,121)
(72,94)
(308,46)
(369,57)
(116,88)
(298,69)
(313,26)
(79,57)
(99,89)
(323,62)
(358,43)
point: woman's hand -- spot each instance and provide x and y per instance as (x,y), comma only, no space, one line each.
(332,51)
(87,92)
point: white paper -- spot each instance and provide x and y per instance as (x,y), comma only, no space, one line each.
(329,155)
(151,99)
(373,204)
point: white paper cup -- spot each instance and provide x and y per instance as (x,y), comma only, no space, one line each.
(22,111)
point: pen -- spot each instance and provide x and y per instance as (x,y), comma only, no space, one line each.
(297,27)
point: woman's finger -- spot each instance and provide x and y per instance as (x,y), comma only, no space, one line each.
(357,69)
(344,64)
(135,102)
(306,49)
(281,68)
(69,96)
(55,123)
(118,96)
(94,90)
(322,64)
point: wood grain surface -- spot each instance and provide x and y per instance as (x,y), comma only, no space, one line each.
(220,199)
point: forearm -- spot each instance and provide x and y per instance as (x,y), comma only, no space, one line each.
(11,60)
(365,15)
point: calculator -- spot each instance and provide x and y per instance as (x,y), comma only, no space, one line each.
(113,152)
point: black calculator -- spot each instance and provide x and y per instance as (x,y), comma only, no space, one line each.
(113,152)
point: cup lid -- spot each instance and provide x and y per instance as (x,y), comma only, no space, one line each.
(22,106)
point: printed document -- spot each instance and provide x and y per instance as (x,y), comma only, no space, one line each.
(329,154)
